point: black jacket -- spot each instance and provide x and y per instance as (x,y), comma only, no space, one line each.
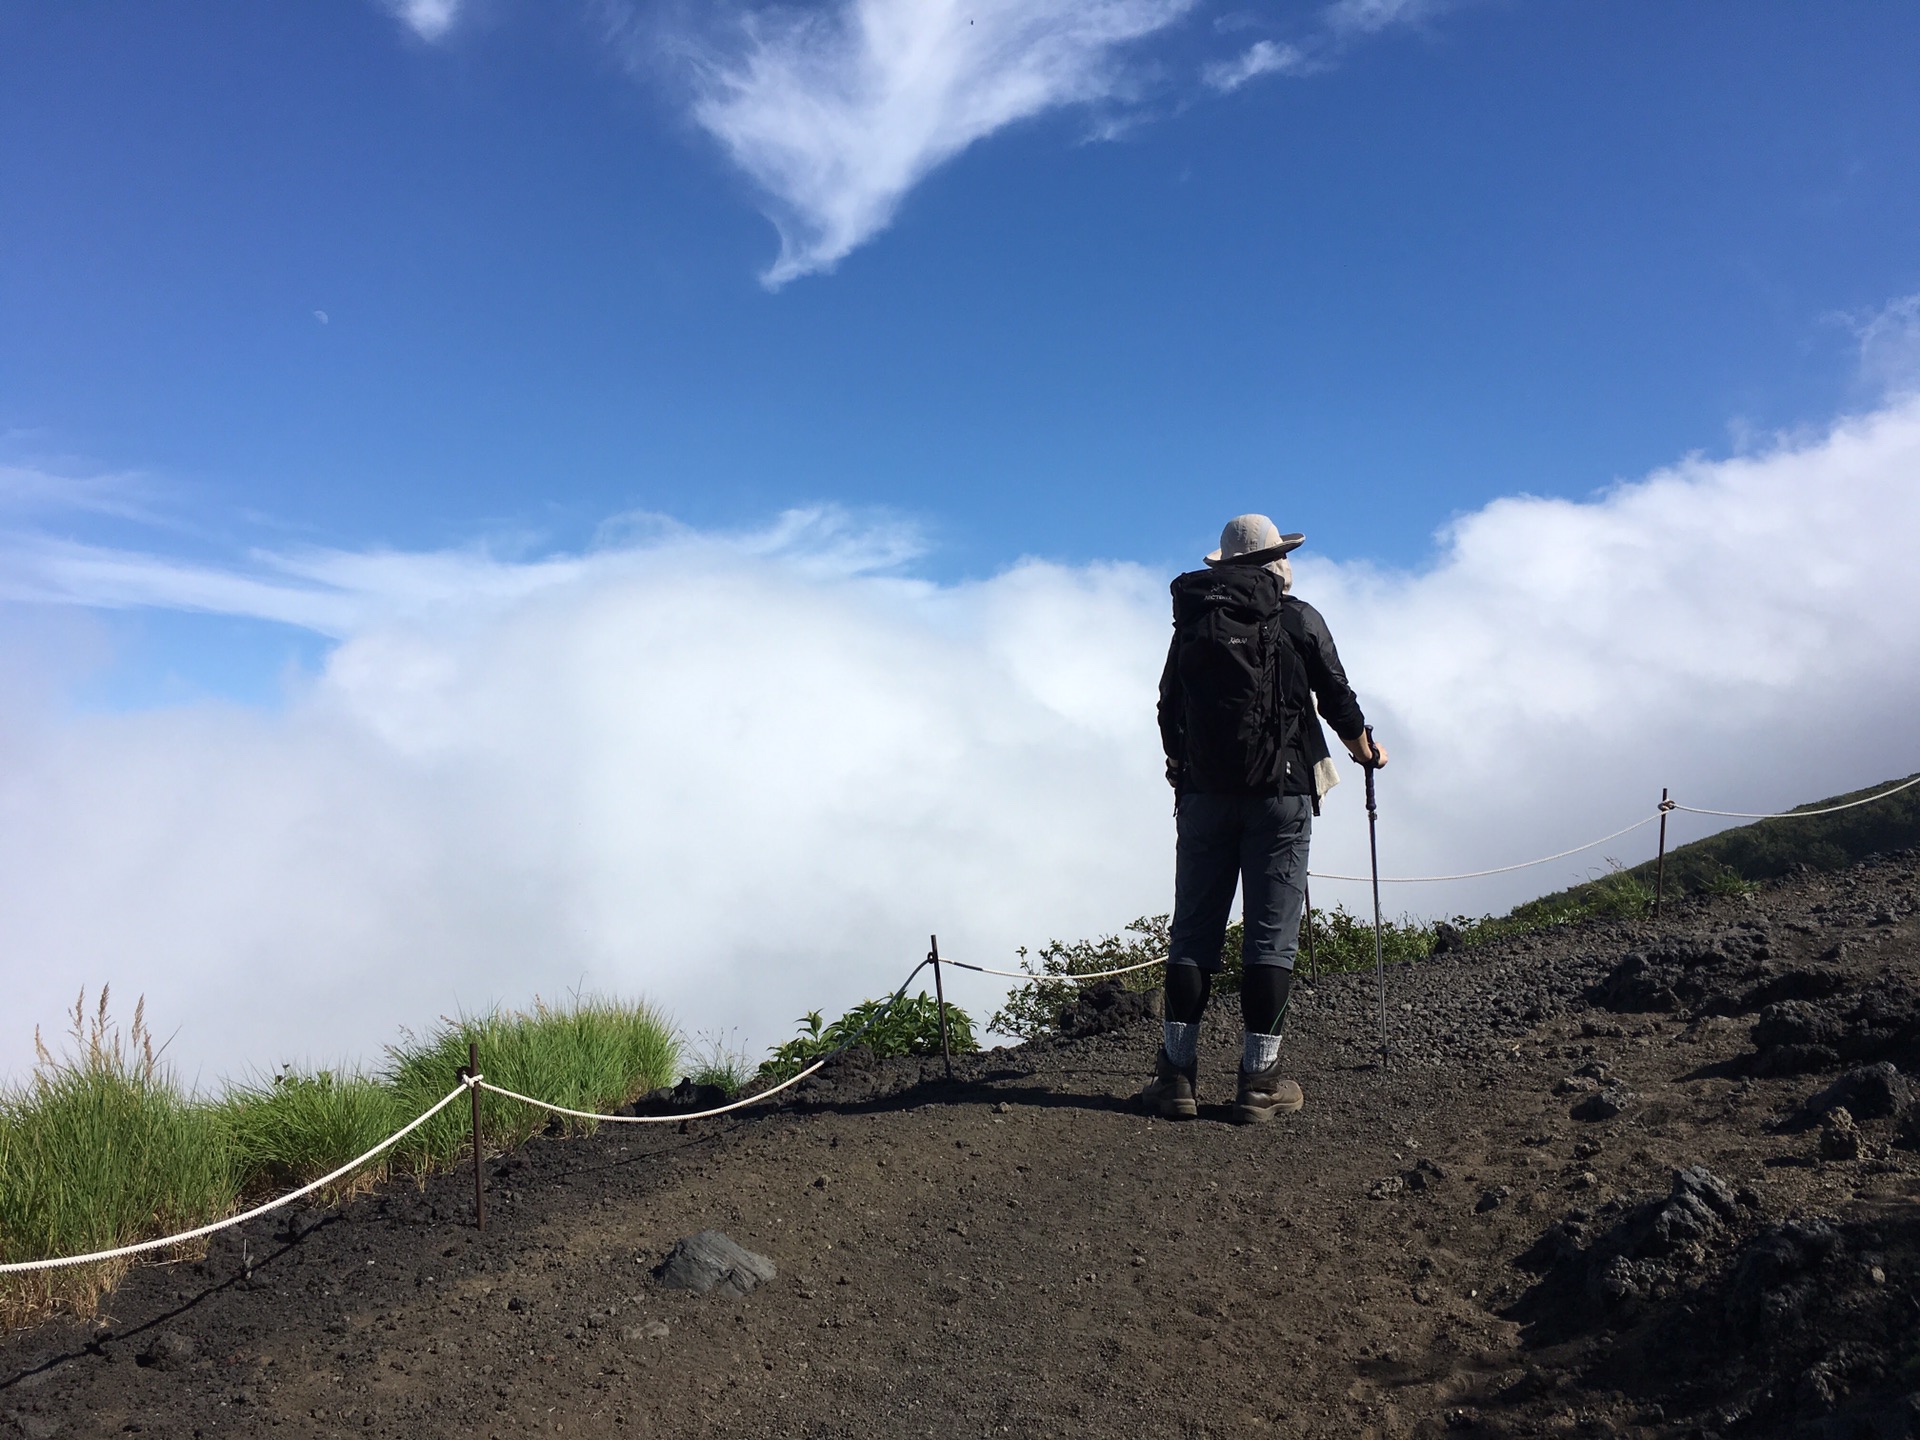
(1331,693)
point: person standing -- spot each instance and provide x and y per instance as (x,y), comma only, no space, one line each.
(1248,763)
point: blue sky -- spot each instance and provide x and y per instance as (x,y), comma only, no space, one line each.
(416,418)
(1490,248)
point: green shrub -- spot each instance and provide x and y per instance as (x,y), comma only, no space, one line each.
(294,1128)
(1343,942)
(596,1055)
(911,1027)
(1030,1011)
(98,1150)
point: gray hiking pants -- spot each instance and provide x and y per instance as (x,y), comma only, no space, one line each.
(1257,842)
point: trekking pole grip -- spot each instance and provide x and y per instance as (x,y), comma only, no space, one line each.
(1370,767)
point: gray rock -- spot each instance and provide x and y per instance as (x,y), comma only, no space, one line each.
(1605,1103)
(1870,1092)
(710,1261)
(1840,1138)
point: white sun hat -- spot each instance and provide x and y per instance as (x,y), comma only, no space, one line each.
(1253,540)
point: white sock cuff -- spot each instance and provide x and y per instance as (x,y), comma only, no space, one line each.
(1182,1041)
(1258,1051)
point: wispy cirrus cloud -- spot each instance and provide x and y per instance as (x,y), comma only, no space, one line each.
(1370,17)
(1890,345)
(1263,57)
(1337,27)
(29,490)
(836,110)
(429,19)
(836,113)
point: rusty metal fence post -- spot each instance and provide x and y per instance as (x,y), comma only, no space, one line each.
(479,1187)
(1660,866)
(940,999)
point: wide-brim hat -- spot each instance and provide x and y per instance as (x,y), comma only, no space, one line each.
(1253,540)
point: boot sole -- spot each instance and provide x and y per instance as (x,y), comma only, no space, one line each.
(1178,1110)
(1244,1114)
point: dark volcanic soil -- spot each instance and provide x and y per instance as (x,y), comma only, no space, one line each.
(1620,1180)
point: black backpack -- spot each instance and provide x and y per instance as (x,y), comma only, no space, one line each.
(1241,679)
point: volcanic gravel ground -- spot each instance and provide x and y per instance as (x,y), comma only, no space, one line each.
(1621,1179)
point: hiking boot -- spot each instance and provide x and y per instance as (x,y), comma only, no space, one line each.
(1170,1093)
(1264,1094)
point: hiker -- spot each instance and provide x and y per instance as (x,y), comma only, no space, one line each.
(1248,763)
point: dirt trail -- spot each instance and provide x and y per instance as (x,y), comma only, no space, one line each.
(1441,1245)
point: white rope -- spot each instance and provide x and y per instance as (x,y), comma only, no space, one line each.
(1028,975)
(246,1215)
(655,1119)
(1798,814)
(1498,870)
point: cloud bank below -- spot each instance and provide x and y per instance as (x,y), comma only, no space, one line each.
(748,786)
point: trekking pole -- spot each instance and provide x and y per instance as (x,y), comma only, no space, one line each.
(1306,892)
(1373,852)
(940,999)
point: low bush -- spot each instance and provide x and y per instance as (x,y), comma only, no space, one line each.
(1343,942)
(1030,1010)
(911,1027)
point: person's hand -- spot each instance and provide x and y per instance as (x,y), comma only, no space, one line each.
(1173,772)
(1369,753)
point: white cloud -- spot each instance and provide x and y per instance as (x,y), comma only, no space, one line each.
(1370,17)
(1263,57)
(429,19)
(1890,346)
(33,490)
(749,785)
(837,112)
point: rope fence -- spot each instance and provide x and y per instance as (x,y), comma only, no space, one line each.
(1801,814)
(472,1081)
(19,1266)
(1660,813)
(1497,870)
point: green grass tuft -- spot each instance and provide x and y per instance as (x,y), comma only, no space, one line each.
(294,1128)
(595,1055)
(722,1062)
(99,1150)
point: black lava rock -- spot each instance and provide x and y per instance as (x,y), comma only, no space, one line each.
(1871,1092)
(710,1261)
(685,1098)
(1104,1007)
